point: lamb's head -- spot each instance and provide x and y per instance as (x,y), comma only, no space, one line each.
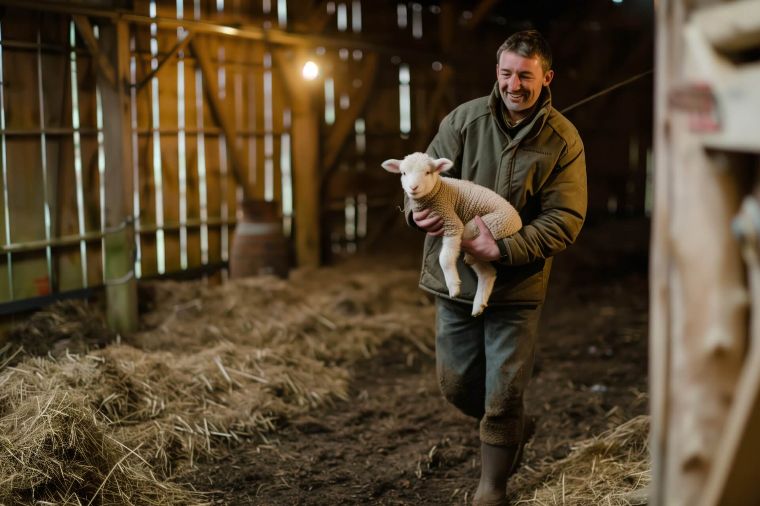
(419,172)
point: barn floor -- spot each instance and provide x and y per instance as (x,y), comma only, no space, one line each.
(396,441)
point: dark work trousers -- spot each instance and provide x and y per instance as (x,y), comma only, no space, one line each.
(485,362)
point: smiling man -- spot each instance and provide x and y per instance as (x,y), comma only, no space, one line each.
(514,142)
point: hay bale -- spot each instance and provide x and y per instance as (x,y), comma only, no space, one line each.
(55,449)
(602,470)
(212,365)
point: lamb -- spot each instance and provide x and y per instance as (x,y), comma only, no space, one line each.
(457,202)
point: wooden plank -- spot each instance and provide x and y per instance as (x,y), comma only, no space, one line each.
(121,286)
(660,255)
(212,94)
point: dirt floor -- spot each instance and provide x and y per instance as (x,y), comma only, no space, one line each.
(396,441)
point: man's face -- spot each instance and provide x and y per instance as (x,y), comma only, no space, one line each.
(520,82)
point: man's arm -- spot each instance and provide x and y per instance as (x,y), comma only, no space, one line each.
(563,202)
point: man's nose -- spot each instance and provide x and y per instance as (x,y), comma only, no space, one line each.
(513,82)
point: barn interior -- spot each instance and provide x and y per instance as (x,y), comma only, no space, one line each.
(208,291)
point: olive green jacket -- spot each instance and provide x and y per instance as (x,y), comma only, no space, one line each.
(541,171)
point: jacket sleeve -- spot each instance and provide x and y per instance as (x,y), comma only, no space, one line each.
(447,143)
(563,201)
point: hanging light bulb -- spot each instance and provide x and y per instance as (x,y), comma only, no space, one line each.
(310,70)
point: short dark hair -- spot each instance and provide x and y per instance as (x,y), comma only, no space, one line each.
(529,44)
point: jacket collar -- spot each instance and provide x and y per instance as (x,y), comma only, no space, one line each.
(533,125)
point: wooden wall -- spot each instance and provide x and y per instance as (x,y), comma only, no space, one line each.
(187,195)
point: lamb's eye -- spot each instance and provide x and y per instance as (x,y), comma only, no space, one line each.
(427,173)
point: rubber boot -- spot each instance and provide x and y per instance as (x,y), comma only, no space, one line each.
(496,464)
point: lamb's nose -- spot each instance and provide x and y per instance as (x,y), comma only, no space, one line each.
(414,188)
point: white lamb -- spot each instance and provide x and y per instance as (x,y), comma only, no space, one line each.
(457,202)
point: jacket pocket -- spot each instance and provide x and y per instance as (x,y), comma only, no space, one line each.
(521,284)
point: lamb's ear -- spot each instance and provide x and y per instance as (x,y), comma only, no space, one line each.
(392,165)
(442,164)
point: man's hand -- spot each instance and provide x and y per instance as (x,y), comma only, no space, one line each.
(428,221)
(483,246)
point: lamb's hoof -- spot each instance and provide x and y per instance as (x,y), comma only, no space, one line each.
(477,310)
(454,290)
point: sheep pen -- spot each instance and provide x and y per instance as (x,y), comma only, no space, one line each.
(252,391)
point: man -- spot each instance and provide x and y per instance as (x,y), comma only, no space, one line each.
(515,143)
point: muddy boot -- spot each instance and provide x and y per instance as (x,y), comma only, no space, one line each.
(496,464)
(529,429)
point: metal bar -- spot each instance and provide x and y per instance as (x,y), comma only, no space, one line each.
(23,305)
(72,240)
(51,131)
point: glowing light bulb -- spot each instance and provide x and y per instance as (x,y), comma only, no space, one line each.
(310,70)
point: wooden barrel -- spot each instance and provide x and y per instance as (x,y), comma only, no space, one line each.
(259,245)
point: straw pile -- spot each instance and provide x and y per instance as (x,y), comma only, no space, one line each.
(213,365)
(603,470)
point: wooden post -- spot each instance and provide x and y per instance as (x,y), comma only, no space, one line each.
(698,329)
(306,166)
(121,286)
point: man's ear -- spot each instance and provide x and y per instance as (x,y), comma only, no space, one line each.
(442,164)
(548,77)
(392,165)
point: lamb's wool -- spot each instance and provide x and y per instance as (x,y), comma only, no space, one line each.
(467,200)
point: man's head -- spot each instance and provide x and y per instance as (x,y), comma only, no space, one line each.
(523,68)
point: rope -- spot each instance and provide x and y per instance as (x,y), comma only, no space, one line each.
(607,90)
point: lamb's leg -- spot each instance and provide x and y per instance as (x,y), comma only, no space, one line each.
(486,277)
(448,260)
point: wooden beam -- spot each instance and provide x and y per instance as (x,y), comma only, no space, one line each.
(119,241)
(104,65)
(480,13)
(271,36)
(344,123)
(227,126)
(179,46)
(660,269)
(306,134)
